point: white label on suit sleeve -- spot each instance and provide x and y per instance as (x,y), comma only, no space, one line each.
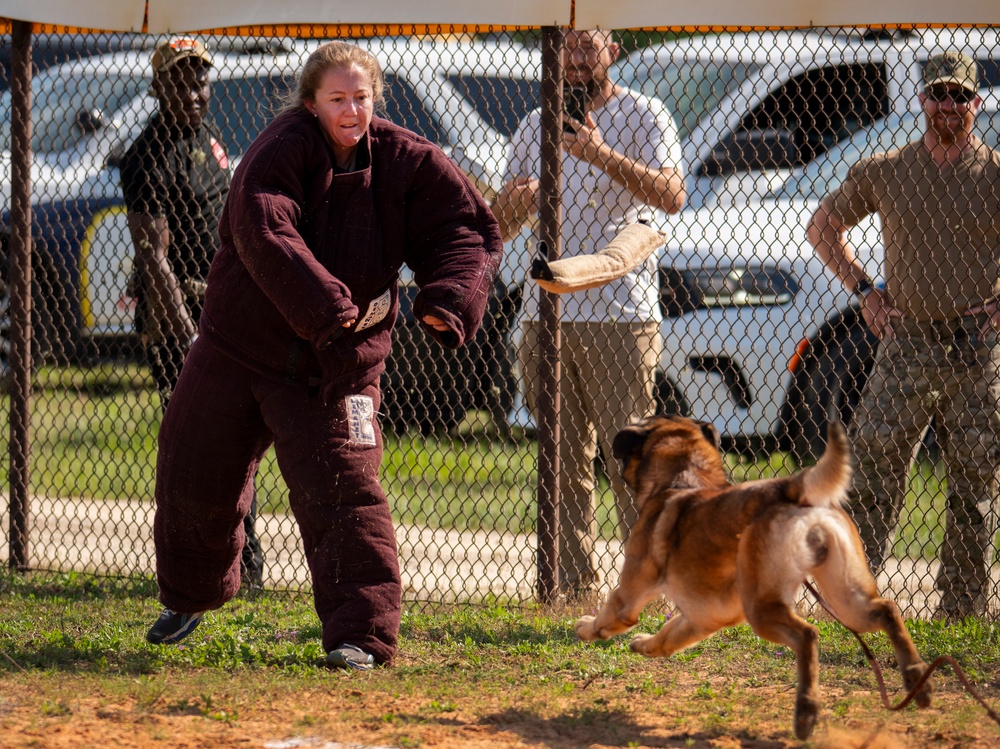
(377,310)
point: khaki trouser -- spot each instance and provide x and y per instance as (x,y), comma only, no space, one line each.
(947,371)
(607,382)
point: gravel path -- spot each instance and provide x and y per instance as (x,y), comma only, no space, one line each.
(436,564)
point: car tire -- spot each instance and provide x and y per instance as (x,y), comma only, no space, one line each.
(669,399)
(828,385)
(431,388)
(419,387)
(55,326)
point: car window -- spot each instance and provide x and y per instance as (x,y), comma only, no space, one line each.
(66,109)
(48,50)
(404,107)
(989,73)
(803,118)
(242,107)
(825,173)
(501,102)
(690,89)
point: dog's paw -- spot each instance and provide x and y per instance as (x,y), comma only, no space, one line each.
(911,676)
(806,712)
(638,644)
(585,628)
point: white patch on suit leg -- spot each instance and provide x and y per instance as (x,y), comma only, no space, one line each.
(360,419)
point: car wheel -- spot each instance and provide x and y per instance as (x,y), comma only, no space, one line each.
(420,387)
(828,385)
(494,385)
(669,399)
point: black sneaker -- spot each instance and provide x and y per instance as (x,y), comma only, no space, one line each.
(172,627)
(350,656)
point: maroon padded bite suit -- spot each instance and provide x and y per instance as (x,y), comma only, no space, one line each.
(304,249)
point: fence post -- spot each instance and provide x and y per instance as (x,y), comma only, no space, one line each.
(550,241)
(20,292)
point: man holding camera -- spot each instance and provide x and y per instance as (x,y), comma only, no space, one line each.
(621,160)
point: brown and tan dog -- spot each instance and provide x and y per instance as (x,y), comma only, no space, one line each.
(725,554)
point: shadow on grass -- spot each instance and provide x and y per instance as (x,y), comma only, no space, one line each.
(606,727)
(75,586)
(72,657)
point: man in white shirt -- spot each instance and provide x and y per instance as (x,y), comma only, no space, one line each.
(619,165)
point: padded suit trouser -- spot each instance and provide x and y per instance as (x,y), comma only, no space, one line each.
(220,421)
(166,360)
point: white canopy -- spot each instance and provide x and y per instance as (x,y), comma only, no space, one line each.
(109,15)
(189,15)
(166,16)
(634,14)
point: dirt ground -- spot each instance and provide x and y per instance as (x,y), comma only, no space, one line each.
(341,712)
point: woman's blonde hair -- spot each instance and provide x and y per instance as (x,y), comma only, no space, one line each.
(331,56)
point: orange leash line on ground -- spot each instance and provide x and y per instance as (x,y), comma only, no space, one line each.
(920,682)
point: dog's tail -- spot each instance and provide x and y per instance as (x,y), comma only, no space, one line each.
(825,484)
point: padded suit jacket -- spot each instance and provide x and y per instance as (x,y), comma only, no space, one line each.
(306,248)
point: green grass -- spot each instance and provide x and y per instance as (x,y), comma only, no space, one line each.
(93,435)
(82,623)
(65,638)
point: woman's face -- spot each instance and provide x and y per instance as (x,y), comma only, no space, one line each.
(344,105)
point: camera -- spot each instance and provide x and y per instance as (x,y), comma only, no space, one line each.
(574,105)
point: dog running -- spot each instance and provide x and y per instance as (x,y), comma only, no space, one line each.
(725,554)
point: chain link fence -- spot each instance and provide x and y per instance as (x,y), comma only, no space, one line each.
(757,336)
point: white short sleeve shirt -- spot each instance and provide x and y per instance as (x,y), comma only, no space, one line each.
(596,208)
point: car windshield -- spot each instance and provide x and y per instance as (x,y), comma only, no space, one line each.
(689,88)
(242,107)
(501,102)
(404,106)
(829,170)
(57,102)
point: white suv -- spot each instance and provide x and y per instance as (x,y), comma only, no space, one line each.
(757,338)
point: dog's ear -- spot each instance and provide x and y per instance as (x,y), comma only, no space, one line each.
(629,440)
(711,433)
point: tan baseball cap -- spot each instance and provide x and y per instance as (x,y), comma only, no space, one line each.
(169,53)
(952,67)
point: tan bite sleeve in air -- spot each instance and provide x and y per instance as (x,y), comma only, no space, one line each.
(627,250)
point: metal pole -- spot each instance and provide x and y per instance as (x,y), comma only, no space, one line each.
(550,240)
(20,291)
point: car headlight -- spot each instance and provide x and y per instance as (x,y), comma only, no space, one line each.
(686,289)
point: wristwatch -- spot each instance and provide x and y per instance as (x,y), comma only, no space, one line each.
(862,288)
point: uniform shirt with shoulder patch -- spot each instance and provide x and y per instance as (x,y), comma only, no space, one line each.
(181,175)
(940,227)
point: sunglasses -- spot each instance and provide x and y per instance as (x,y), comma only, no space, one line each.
(957,95)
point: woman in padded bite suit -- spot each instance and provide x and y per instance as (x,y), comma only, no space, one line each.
(325,207)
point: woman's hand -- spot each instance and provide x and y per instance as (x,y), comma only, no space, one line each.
(436,323)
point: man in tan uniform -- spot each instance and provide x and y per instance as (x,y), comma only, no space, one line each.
(937,318)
